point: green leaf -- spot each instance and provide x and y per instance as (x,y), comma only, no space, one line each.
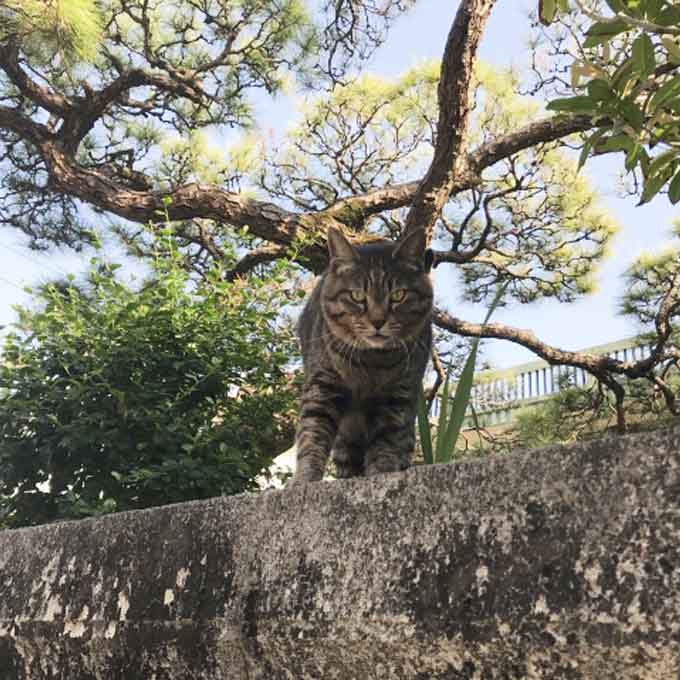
(655,182)
(634,8)
(546,11)
(622,76)
(674,189)
(581,104)
(661,161)
(590,143)
(585,152)
(631,113)
(604,31)
(620,142)
(600,90)
(643,55)
(633,156)
(667,91)
(668,17)
(673,105)
(424,429)
(672,48)
(608,28)
(615,6)
(652,8)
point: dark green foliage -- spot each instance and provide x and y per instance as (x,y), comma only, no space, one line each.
(571,414)
(113,398)
(577,413)
(625,76)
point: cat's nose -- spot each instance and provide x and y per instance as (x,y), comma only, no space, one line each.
(378,323)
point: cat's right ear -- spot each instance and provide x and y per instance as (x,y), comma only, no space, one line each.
(339,248)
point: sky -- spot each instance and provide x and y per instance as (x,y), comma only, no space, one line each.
(420,35)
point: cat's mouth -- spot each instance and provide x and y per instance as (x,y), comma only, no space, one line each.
(378,341)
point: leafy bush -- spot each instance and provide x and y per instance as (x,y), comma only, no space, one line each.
(576,413)
(115,398)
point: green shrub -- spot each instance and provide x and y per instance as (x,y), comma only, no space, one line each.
(115,398)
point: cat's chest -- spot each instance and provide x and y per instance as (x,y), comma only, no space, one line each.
(365,381)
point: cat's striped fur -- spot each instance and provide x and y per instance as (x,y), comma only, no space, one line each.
(365,335)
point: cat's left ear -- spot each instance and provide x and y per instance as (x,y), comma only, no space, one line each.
(339,247)
(412,247)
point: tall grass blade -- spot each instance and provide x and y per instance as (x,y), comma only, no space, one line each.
(449,435)
(443,416)
(475,420)
(463,390)
(424,429)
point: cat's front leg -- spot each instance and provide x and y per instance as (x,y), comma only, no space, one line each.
(321,408)
(392,436)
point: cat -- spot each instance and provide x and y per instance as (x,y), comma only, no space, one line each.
(366,335)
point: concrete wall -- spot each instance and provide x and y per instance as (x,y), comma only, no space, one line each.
(562,563)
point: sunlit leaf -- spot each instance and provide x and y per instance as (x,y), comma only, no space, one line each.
(643,55)
(546,11)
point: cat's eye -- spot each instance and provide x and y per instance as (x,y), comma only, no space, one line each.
(357,295)
(397,295)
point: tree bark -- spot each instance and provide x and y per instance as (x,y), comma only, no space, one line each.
(449,164)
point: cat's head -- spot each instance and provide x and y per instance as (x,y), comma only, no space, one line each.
(377,295)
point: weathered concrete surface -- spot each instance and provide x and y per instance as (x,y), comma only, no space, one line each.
(558,564)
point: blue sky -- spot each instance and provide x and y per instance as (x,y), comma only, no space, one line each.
(419,35)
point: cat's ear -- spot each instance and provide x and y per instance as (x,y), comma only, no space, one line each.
(412,247)
(339,248)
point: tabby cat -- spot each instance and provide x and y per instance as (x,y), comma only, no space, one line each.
(366,334)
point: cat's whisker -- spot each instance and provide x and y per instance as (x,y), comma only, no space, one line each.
(322,338)
(408,353)
(355,347)
(347,351)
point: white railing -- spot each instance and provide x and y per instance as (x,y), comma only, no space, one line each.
(497,394)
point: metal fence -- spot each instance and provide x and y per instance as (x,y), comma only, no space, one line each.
(496,395)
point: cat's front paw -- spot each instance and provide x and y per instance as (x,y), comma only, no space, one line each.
(294,483)
(381,467)
(299,480)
